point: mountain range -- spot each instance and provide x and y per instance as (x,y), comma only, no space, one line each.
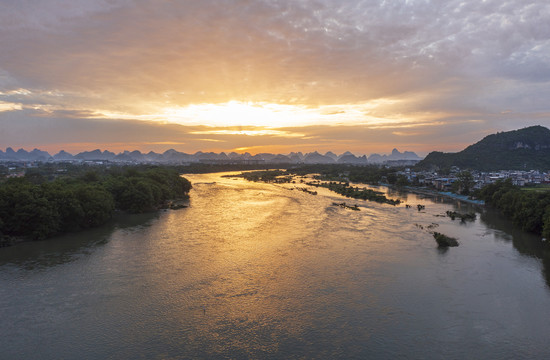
(176,157)
(523,149)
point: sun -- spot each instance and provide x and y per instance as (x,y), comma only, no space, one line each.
(263,115)
(235,114)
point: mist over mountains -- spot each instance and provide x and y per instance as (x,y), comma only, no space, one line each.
(175,157)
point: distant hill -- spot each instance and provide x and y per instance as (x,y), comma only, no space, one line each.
(523,149)
(175,157)
(394,156)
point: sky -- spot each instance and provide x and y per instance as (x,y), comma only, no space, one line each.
(270,75)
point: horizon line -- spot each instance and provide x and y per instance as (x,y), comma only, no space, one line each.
(208,152)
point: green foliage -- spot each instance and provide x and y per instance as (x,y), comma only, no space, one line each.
(471,216)
(536,188)
(137,192)
(35,176)
(391,178)
(370,174)
(274,176)
(546,224)
(31,207)
(464,183)
(527,148)
(530,210)
(357,193)
(26,211)
(402,181)
(91,176)
(444,240)
(96,203)
(331,172)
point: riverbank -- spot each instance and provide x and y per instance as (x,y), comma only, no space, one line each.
(41,209)
(426,191)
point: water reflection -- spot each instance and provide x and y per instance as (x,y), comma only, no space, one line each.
(497,225)
(254,270)
(527,244)
(442,250)
(37,255)
(397,193)
(546,266)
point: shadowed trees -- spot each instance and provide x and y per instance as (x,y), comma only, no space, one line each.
(530,210)
(38,209)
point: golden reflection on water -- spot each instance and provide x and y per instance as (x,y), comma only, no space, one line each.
(255,234)
(277,257)
(254,270)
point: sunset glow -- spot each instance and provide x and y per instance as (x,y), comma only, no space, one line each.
(297,75)
(274,179)
(269,115)
(235,113)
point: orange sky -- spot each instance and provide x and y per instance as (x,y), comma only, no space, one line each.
(264,76)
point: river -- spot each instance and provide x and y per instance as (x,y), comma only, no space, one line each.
(254,270)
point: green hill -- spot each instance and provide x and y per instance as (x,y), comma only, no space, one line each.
(523,149)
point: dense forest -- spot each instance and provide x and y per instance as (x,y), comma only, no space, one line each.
(528,209)
(37,207)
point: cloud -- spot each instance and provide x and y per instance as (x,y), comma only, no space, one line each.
(333,51)
(31,128)
(429,62)
(254,132)
(47,15)
(4,106)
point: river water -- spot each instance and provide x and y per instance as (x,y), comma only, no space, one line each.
(254,270)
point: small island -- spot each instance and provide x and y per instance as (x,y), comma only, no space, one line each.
(343,205)
(471,216)
(339,187)
(444,240)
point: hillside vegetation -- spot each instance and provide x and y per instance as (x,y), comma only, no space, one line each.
(523,149)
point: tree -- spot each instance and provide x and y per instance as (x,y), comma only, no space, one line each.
(38,208)
(465,182)
(530,211)
(402,181)
(546,224)
(392,178)
(97,205)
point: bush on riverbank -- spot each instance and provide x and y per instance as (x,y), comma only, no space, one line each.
(530,210)
(41,210)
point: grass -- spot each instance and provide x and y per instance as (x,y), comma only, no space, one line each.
(537,188)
